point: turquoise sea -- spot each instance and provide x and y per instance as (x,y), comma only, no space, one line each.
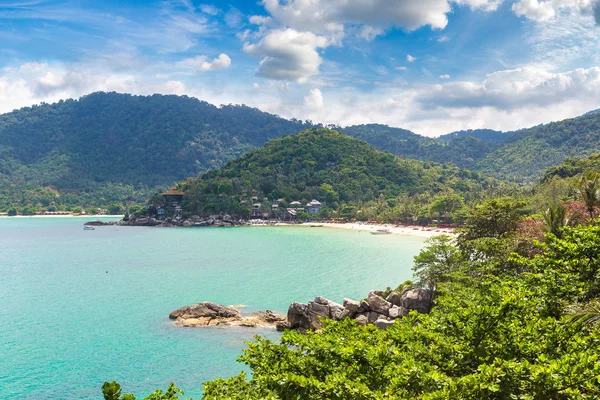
(79,307)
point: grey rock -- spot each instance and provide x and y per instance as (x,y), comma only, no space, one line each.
(394,298)
(394,312)
(417,299)
(373,316)
(296,316)
(282,326)
(383,323)
(362,320)
(205,310)
(364,306)
(351,305)
(379,293)
(321,300)
(318,309)
(339,315)
(268,316)
(378,304)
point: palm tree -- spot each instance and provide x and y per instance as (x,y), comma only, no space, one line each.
(585,314)
(555,218)
(589,190)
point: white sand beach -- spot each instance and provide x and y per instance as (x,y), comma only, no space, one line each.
(394,229)
(401,230)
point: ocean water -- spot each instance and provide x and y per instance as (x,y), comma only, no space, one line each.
(78,308)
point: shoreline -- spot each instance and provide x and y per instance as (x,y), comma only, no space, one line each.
(62,216)
(399,230)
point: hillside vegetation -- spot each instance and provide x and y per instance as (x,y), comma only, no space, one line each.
(335,169)
(116,148)
(113,147)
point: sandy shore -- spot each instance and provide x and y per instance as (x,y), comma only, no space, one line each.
(361,227)
(395,230)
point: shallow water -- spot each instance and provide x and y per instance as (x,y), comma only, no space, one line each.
(79,307)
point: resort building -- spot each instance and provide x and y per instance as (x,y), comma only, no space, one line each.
(173,197)
(314,207)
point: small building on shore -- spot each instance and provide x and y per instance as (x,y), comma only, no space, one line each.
(174,197)
(314,207)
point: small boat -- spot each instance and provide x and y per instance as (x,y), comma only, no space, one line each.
(316,226)
(381,232)
(88,228)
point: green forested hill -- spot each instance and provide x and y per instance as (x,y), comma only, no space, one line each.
(488,135)
(462,149)
(112,147)
(522,156)
(326,165)
(530,152)
(109,147)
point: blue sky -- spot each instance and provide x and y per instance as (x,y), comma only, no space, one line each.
(431,66)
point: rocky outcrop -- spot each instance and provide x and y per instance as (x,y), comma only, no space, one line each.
(221,220)
(212,314)
(377,310)
(417,299)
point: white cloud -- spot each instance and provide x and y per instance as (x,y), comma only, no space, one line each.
(513,89)
(532,9)
(443,39)
(200,63)
(485,5)
(369,33)
(401,68)
(314,100)
(410,58)
(445,76)
(234,17)
(221,62)
(544,10)
(288,54)
(255,85)
(209,9)
(326,15)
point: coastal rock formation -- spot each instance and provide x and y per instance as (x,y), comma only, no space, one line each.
(376,310)
(221,220)
(211,314)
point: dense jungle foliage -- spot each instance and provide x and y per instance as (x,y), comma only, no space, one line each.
(528,153)
(350,177)
(109,147)
(516,316)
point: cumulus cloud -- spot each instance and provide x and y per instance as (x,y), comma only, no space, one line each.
(410,58)
(200,63)
(485,5)
(532,9)
(326,15)
(445,76)
(512,89)
(314,100)
(543,10)
(288,54)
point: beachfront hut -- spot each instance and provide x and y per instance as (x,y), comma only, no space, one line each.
(314,207)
